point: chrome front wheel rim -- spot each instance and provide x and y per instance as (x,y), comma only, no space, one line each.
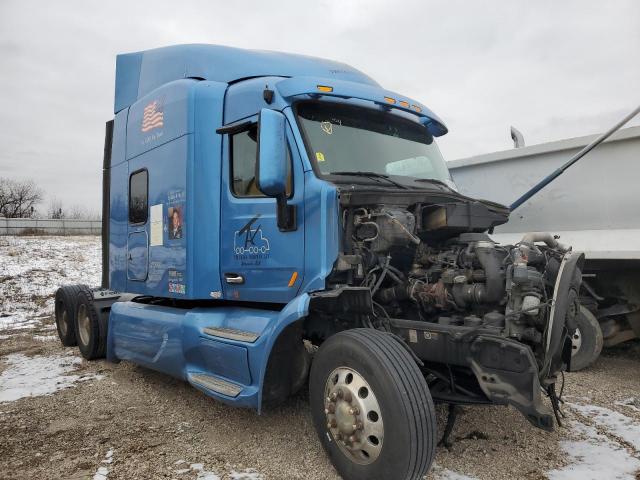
(353,414)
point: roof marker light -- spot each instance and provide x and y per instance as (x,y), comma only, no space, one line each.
(404,104)
(390,100)
(417,108)
(325,88)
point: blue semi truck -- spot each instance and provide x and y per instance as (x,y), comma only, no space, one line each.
(274,220)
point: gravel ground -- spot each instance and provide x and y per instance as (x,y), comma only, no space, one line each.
(120,421)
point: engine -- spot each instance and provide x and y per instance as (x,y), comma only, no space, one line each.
(417,271)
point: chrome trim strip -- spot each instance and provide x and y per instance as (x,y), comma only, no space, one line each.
(216,384)
(232,334)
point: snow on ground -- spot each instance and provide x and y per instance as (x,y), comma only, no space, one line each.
(40,375)
(248,474)
(618,425)
(440,473)
(103,471)
(595,457)
(202,474)
(101,474)
(32,268)
(631,402)
(108,458)
(46,338)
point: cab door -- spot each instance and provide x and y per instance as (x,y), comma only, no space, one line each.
(258,262)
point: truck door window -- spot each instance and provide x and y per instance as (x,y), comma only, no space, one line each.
(244,149)
(138,195)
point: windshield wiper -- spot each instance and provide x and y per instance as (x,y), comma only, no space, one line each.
(372,175)
(433,180)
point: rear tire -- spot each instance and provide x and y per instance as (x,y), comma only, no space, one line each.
(586,341)
(66,304)
(366,378)
(90,332)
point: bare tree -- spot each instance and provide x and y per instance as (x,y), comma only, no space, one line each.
(57,210)
(18,199)
(5,196)
(54,210)
(77,212)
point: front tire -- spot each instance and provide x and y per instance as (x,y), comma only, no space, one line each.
(586,342)
(372,408)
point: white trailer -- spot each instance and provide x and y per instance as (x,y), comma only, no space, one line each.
(594,206)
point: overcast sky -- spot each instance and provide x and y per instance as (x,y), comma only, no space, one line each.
(554,69)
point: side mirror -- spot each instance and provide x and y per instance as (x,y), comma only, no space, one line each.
(271,165)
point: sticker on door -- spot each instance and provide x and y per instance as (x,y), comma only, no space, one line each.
(250,245)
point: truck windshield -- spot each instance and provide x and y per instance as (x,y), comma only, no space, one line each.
(343,138)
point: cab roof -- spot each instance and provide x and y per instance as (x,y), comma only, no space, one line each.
(139,73)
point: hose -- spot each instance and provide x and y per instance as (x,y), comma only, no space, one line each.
(549,239)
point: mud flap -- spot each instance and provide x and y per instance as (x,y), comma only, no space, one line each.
(507,373)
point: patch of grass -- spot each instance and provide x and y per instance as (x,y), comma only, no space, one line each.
(32,232)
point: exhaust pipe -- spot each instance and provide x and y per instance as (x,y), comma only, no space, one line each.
(106,201)
(517,137)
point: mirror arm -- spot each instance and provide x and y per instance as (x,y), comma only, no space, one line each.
(286,214)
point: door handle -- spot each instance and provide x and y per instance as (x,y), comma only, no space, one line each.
(234,278)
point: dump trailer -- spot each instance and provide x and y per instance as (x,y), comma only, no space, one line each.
(275,220)
(591,207)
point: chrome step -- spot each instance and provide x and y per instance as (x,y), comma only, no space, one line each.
(232,334)
(216,384)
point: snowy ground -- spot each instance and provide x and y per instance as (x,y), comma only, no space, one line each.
(38,375)
(32,268)
(63,417)
(598,456)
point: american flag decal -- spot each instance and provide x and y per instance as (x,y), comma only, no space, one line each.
(153,116)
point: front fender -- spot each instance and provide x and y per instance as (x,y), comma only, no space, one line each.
(295,310)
